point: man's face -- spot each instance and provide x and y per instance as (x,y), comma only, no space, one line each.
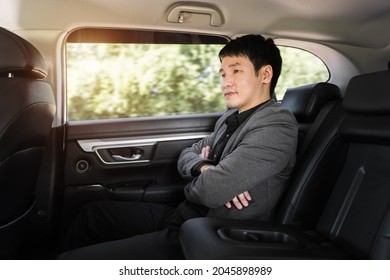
(240,85)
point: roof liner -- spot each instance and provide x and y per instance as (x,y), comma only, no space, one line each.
(358,23)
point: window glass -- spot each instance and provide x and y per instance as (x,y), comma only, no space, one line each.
(122,74)
(299,68)
(122,79)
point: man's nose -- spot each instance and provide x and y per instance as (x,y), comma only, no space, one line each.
(227,81)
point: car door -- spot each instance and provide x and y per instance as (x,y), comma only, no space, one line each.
(114,156)
(133,160)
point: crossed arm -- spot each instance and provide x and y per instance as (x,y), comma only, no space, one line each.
(240,201)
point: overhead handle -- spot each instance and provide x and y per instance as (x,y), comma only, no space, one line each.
(176,13)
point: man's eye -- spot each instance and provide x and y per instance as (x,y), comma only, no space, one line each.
(236,71)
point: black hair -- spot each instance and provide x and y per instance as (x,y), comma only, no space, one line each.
(259,51)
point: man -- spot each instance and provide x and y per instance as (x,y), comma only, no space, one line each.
(239,171)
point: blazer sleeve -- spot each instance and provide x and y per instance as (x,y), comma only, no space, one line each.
(189,157)
(262,149)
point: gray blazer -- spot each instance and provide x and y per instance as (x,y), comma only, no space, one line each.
(259,158)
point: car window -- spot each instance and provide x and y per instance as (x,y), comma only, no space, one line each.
(124,74)
(299,68)
(121,74)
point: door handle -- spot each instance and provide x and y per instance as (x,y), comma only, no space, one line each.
(131,158)
(126,154)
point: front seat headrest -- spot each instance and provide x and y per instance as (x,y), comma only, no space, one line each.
(368,94)
(20,58)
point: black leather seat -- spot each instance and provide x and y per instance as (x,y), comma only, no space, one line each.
(307,103)
(348,158)
(27,109)
(317,108)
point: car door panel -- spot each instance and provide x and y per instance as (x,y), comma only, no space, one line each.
(130,160)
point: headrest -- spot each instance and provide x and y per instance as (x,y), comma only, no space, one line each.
(20,58)
(306,101)
(368,94)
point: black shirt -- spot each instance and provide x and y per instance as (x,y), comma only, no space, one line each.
(232,122)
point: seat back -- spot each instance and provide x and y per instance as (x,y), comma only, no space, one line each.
(307,102)
(357,214)
(317,109)
(26,114)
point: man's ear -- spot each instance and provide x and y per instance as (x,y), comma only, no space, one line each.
(267,73)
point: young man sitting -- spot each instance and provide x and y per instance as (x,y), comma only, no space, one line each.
(238,172)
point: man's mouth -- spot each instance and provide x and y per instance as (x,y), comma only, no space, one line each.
(229,94)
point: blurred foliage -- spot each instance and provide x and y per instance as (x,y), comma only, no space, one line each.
(299,68)
(132,80)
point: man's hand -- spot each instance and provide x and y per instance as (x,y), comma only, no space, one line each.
(240,201)
(205,154)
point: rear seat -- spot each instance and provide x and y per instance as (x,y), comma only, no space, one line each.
(317,108)
(311,105)
(348,157)
(307,102)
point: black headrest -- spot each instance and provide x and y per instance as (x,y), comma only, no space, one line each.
(19,57)
(368,94)
(306,101)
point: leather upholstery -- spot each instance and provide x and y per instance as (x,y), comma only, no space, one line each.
(306,101)
(368,94)
(27,109)
(309,187)
(19,57)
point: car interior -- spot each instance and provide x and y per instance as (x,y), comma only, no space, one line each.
(57,153)
(339,188)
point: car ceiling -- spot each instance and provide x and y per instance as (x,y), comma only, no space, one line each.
(357,22)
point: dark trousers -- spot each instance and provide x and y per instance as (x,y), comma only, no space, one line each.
(122,230)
